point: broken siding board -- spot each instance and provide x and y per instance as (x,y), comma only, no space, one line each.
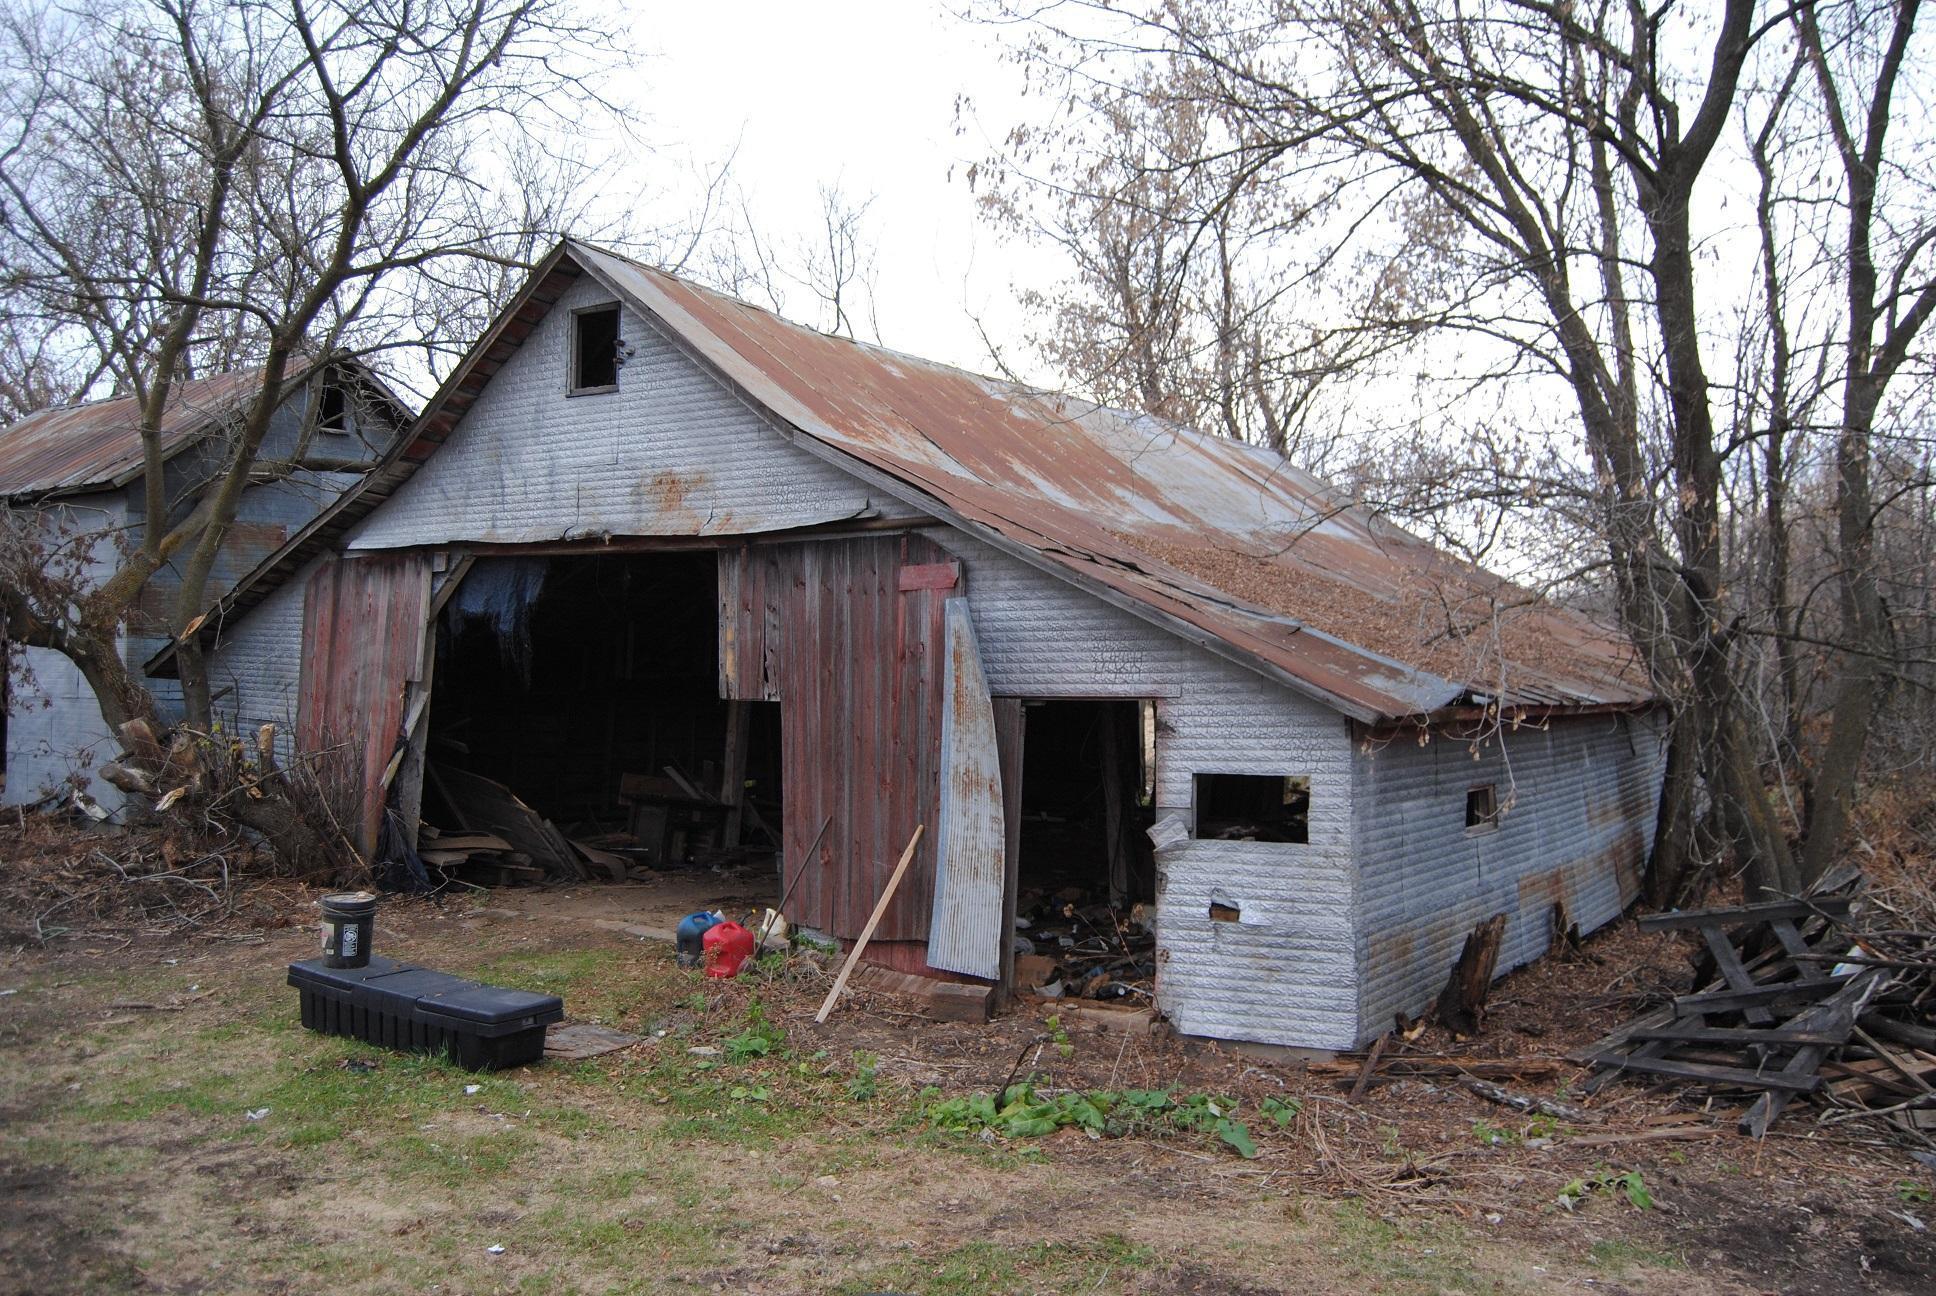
(966,933)
(363,627)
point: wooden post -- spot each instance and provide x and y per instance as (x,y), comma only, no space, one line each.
(1011,722)
(1462,1004)
(873,921)
(1112,805)
(732,777)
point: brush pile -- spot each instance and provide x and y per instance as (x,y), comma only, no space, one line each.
(62,877)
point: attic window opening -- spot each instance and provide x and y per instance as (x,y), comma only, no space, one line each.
(332,409)
(1482,808)
(1254,807)
(594,350)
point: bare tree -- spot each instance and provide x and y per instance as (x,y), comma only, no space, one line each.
(834,267)
(193,184)
(1184,294)
(1540,182)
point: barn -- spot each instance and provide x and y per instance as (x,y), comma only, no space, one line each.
(75,475)
(647,527)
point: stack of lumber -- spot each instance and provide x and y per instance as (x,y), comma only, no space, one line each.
(483,859)
(1792,998)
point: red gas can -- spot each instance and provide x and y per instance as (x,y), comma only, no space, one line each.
(728,945)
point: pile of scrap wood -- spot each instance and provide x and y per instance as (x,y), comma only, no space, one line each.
(1821,996)
(502,841)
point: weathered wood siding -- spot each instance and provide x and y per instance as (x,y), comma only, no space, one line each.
(363,643)
(856,662)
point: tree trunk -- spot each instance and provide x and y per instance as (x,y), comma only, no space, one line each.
(1674,826)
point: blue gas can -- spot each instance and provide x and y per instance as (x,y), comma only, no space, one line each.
(690,937)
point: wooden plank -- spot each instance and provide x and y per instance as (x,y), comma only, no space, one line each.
(1728,962)
(467,841)
(1363,1082)
(1795,947)
(1836,1014)
(1706,1073)
(1759,996)
(363,634)
(867,933)
(732,776)
(576,1041)
(929,576)
(1011,719)
(1772,1035)
(965,928)
(1733,915)
(1115,829)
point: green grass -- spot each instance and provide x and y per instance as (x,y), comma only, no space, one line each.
(1409,1256)
(1619,1257)
(989,1269)
(645,1171)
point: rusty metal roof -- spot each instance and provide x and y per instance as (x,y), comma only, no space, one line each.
(86,447)
(1220,542)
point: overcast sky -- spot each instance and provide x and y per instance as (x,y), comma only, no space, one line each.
(861,94)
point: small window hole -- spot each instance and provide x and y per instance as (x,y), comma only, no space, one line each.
(1482,807)
(595,350)
(1254,807)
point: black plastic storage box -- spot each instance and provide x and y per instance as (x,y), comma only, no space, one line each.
(485,1028)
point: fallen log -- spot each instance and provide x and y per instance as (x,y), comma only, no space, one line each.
(1530,1103)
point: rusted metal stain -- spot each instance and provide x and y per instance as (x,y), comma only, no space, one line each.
(99,444)
(966,932)
(363,639)
(856,663)
(1207,533)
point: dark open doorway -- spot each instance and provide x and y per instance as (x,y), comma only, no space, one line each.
(1085,876)
(587,689)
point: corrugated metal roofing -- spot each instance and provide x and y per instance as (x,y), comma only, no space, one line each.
(1218,541)
(1223,538)
(82,447)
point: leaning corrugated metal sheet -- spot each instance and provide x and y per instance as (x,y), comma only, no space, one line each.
(1215,537)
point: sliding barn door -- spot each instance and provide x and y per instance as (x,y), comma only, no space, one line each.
(965,934)
(363,644)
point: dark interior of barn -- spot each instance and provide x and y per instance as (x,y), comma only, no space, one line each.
(586,689)
(1085,878)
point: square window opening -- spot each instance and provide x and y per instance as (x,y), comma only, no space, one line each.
(1482,807)
(594,360)
(332,409)
(1254,807)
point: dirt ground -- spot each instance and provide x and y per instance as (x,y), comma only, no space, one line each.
(166,1126)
